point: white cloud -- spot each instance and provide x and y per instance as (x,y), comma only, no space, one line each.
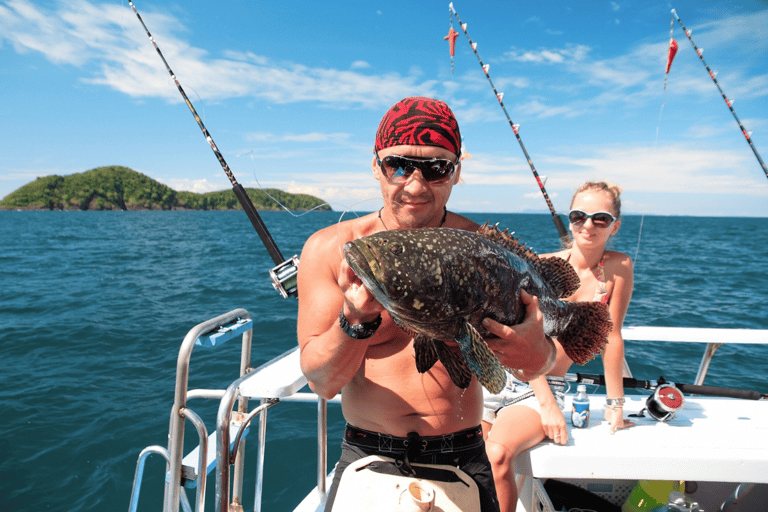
(674,169)
(200,186)
(569,54)
(80,33)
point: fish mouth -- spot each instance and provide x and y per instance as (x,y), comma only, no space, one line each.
(361,260)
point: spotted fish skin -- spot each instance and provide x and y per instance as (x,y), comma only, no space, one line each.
(440,283)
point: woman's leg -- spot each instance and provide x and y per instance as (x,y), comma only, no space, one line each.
(516,429)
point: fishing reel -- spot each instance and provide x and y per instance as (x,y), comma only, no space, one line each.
(284,277)
(664,402)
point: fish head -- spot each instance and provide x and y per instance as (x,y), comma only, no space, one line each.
(413,273)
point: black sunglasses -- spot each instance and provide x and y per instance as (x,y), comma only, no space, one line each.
(399,169)
(599,219)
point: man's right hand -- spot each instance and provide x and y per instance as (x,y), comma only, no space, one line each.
(360,304)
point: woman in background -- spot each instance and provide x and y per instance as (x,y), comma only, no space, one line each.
(524,414)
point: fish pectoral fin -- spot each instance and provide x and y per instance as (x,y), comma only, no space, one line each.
(454,364)
(426,356)
(560,275)
(587,332)
(481,360)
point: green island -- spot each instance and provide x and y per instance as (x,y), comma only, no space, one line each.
(120,188)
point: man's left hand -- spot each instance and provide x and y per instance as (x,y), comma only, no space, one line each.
(523,347)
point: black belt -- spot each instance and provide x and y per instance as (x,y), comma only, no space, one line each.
(469,438)
(408,448)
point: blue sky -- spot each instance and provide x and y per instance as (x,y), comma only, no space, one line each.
(292,93)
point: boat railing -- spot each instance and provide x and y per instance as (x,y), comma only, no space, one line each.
(714,339)
(280,379)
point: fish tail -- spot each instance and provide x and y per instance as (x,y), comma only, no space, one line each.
(587,331)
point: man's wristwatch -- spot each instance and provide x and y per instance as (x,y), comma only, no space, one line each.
(614,402)
(359,331)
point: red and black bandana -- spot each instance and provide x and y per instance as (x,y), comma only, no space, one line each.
(419,121)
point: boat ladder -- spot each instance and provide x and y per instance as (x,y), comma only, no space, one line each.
(276,380)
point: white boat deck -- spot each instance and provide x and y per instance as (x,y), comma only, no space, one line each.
(709,440)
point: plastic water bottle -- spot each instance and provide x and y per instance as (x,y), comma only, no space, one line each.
(580,411)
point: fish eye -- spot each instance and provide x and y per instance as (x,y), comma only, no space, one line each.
(396,248)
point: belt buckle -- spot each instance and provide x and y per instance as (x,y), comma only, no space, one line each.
(446,444)
(385,443)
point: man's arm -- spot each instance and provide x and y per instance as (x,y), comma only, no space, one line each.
(523,347)
(330,358)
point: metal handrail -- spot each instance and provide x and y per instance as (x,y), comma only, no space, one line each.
(176,428)
(212,333)
(139,476)
(202,463)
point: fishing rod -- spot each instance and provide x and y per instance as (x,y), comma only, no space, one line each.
(284,274)
(515,127)
(713,76)
(599,380)
(667,397)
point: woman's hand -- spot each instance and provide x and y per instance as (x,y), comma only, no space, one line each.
(615,416)
(553,423)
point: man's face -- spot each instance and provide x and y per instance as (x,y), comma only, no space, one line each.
(416,202)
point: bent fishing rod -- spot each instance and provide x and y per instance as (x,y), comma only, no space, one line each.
(284,274)
(515,128)
(599,380)
(713,76)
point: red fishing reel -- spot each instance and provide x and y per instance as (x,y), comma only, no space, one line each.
(664,402)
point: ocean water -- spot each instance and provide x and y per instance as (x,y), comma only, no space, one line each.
(94,306)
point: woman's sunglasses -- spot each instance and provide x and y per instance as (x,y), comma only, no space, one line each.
(599,219)
(399,169)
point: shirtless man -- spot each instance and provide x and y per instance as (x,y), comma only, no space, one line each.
(349,342)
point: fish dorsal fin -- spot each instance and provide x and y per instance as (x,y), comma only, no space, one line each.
(559,274)
(506,240)
(556,272)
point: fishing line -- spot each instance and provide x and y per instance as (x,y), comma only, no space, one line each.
(637,250)
(515,127)
(729,102)
(670,56)
(281,205)
(341,218)
(285,266)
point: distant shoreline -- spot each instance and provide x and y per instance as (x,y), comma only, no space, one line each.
(120,188)
(129,209)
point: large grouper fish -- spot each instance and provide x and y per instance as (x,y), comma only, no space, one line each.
(440,283)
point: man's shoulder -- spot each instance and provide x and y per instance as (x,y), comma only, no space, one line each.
(337,234)
(454,220)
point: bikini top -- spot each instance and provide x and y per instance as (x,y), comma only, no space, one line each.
(601,291)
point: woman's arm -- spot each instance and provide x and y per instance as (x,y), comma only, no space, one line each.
(613,355)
